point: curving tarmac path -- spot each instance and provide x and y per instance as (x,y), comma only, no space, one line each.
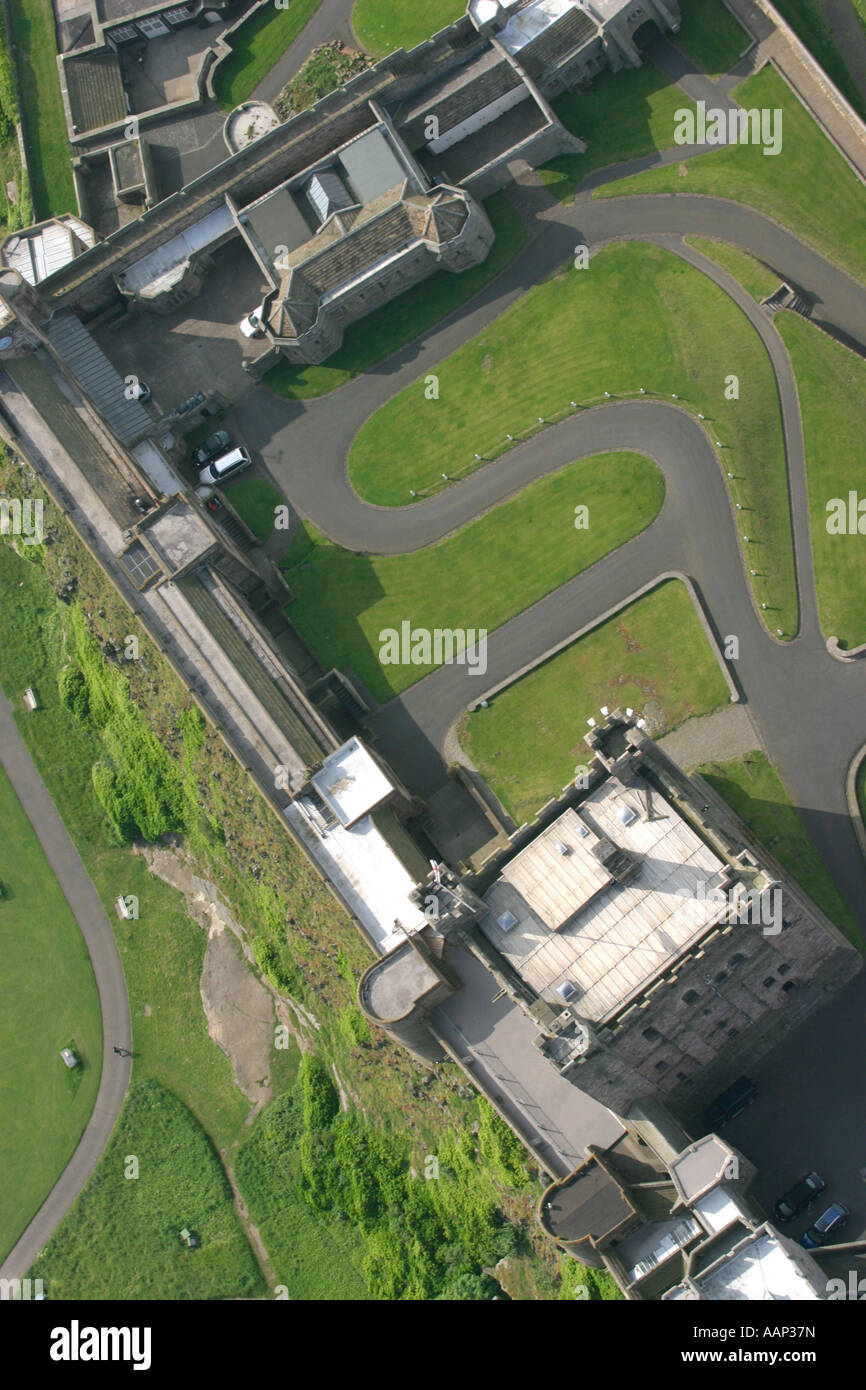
(89,913)
(809,706)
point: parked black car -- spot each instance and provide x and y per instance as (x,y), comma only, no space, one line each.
(731,1102)
(799,1196)
(827,1228)
(213,446)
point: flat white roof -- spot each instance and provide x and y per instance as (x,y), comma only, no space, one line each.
(351,782)
(759,1270)
(528,23)
(366,873)
(629,933)
(558,873)
(717,1209)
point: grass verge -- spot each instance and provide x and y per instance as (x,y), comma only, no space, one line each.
(808,187)
(43,1115)
(121,1240)
(392,326)
(831,381)
(478,578)
(257,46)
(656,340)
(710,35)
(45,138)
(383,25)
(753,789)
(256,500)
(756,278)
(530,738)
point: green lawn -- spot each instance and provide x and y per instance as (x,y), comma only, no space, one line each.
(756,278)
(383,25)
(257,46)
(15,209)
(121,1240)
(394,325)
(808,187)
(808,22)
(710,35)
(43,1115)
(753,788)
(529,740)
(861,788)
(256,500)
(582,333)
(48,151)
(479,577)
(831,381)
(621,116)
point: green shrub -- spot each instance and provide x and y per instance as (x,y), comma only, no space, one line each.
(73,691)
(500,1147)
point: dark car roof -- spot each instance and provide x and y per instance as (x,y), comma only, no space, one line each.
(830,1215)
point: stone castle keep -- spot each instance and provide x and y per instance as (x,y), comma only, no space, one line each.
(626,926)
(368,192)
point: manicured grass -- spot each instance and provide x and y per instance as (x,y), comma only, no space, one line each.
(394,325)
(756,278)
(383,25)
(831,381)
(808,187)
(861,788)
(529,740)
(582,333)
(623,115)
(45,138)
(479,577)
(808,22)
(256,500)
(753,788)
(121,1240)
(42,1116)
(257,46)
(710,35)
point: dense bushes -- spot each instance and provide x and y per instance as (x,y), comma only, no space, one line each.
(500,1148)
(73,692)
(425,1235)
(137,782)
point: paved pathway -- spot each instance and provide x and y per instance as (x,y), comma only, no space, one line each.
(332,20)
(96,929)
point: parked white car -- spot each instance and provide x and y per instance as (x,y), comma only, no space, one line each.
(253,325)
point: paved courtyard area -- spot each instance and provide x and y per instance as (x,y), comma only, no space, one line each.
(199,347)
